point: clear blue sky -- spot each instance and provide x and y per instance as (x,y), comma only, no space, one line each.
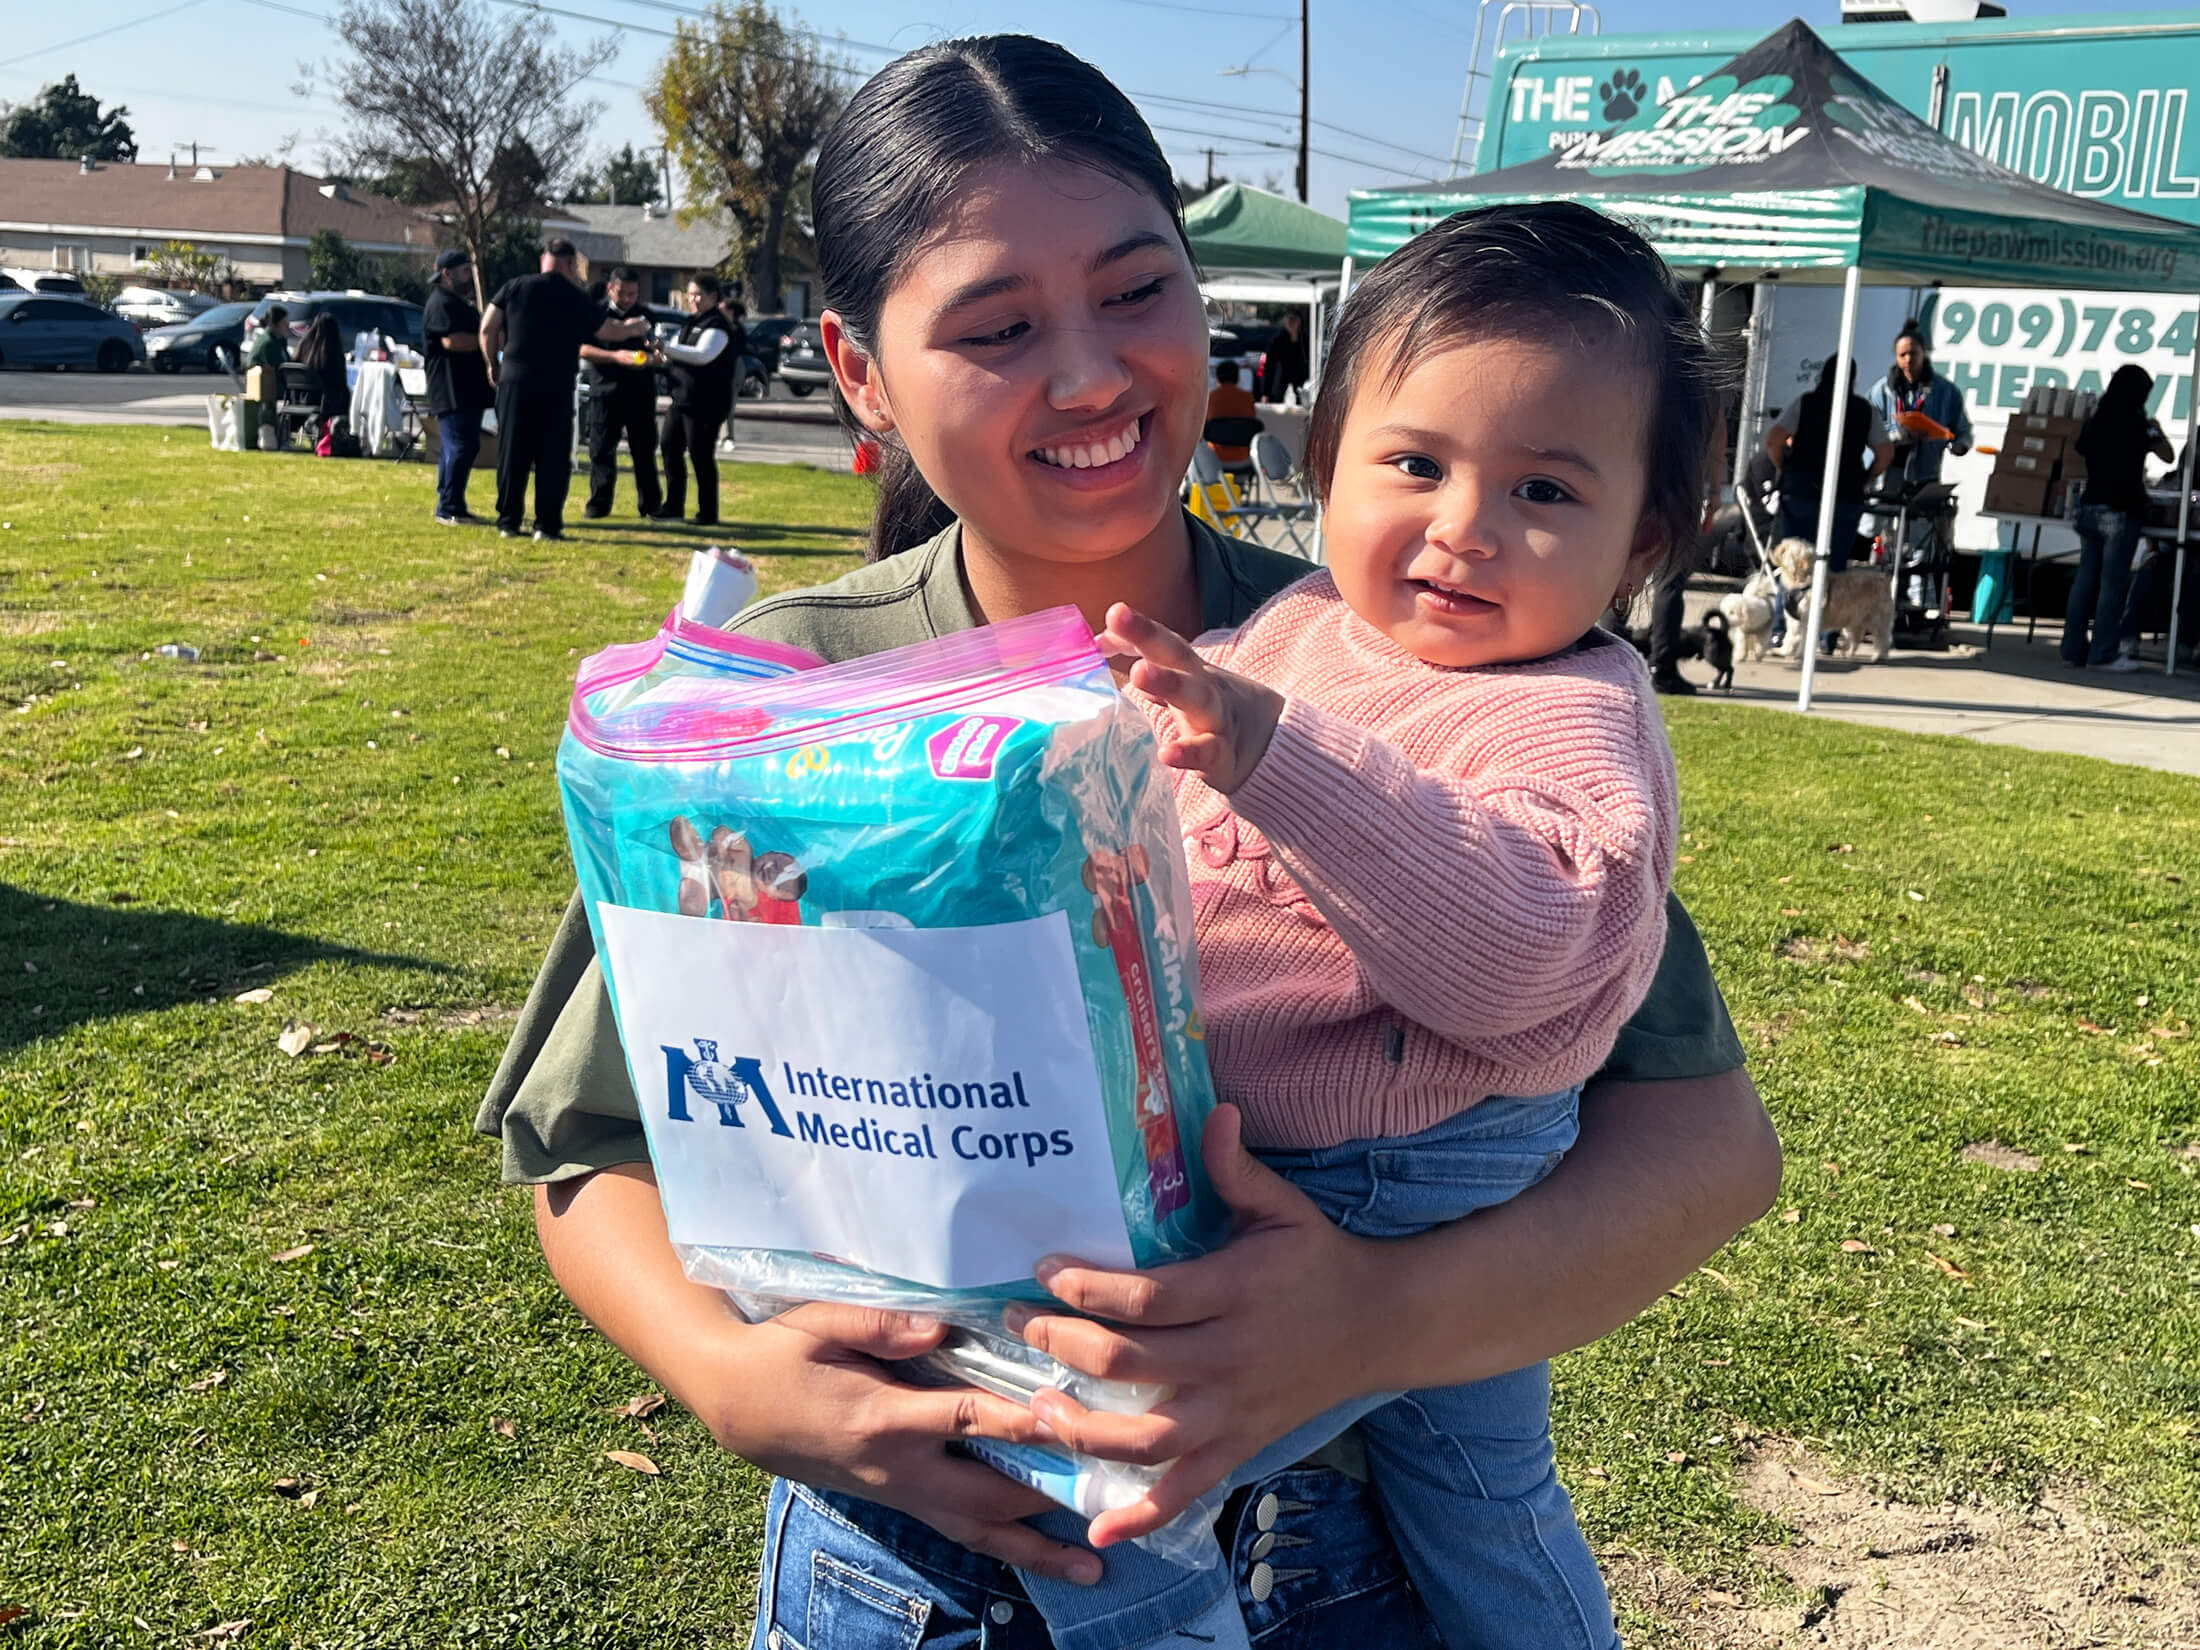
(1388,72)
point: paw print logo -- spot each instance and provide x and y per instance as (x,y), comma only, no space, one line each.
(1623,95)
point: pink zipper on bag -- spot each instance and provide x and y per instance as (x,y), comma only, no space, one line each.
(717,718)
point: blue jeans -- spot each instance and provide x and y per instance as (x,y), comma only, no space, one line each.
(461,445)
(2107,540)
(1463,1474)
(843,1574)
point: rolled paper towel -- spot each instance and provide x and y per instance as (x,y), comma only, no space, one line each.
(719,584)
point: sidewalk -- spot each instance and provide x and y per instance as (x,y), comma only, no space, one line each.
(2011,694)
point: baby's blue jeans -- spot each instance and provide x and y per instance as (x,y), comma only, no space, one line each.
(1464,1474)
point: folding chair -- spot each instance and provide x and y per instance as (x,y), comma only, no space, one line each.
(1210,494)
(1232,432)
(299,402)
(413,428)
(1284,498)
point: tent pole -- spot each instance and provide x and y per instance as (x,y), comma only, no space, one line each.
(1829,491)
(2184,500)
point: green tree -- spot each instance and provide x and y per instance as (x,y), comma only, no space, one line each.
(187,264)
(627,179)
(331,264)
(472,107)
(64,122)
(742,99)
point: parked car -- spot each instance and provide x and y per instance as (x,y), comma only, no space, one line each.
(666,322)
(765,334)
(356,312)
(802,363)
(45,280)
(146,307)
(213,340)
(38,330)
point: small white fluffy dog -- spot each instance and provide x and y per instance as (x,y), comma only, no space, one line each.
(1749,613)
(1859,601)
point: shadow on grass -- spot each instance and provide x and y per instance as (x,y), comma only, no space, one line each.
(71,963)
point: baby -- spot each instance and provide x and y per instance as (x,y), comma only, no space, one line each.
(1430,815)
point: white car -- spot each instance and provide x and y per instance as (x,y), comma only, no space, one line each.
(147,307)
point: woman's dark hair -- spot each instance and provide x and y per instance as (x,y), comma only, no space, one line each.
(893,163)
(2120,416)
(1551,270)
(276,316)
(704,280)
(322,346)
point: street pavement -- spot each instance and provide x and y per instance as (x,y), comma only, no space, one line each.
(2008,693)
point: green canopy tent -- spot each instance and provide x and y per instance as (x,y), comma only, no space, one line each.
(1788,164)
(1242,230)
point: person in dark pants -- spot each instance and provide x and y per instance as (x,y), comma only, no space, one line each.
(2112,510)
(458,383)
(705,359)
(1286,366)
(623,386)
(531,337)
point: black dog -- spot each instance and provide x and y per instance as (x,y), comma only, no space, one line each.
(1710,641)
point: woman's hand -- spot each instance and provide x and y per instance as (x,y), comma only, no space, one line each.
(805,1395)
(837,1420)
(1260,1336)
(1228,718)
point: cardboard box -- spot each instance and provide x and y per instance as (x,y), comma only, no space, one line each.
(2041,446)
(2025,425)
(2010,495)
(2026,466)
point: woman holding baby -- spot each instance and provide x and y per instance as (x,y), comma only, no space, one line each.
(1015,315)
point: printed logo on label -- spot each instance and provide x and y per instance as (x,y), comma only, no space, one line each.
(966,749)
(728,1085)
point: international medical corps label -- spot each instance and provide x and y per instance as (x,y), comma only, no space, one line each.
(922,1102)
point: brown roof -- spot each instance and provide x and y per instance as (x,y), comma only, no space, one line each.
(260,201)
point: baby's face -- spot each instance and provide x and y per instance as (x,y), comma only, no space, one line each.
(1486,508)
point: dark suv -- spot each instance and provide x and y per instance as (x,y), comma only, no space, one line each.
(355,312)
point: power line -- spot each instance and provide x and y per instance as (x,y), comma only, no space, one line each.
(98,34)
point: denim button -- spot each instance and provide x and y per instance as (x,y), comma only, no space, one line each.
(1002,1612)
(1264,1512)
(1261,1583)
(1264,1545)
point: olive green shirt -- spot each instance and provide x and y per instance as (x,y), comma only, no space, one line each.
(562,1102)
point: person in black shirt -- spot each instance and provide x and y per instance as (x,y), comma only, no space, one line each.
(2112,510)
(623,386)
(458,384)
(1285,366)
(531,336)
(705,361)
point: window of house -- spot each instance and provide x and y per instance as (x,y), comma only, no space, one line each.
(78,258)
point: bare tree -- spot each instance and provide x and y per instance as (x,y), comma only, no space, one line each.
(473,105)
(742,99)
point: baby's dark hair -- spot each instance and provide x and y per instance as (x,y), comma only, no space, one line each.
(1554,270)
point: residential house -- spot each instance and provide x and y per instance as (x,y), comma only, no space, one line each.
(663,251)
(106,217)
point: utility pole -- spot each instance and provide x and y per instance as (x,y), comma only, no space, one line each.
(1304,63)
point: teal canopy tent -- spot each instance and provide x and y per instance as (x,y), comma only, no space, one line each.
(1787,164)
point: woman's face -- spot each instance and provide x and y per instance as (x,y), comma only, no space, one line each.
(1044,358)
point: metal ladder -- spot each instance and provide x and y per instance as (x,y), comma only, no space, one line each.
(1515,20)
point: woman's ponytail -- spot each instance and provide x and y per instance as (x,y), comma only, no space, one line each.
(892,167)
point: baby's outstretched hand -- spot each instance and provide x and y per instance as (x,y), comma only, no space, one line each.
(1227,719)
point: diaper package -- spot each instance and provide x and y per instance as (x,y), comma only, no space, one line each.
(901,954)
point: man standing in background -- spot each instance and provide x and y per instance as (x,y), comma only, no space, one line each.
(531,338)
(624,387)
(458,382)
(1286,365)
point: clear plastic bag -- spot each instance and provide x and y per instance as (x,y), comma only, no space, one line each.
(995,777)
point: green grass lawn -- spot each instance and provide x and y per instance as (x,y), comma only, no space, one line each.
(275,1346)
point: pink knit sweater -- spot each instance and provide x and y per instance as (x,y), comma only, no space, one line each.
(1438,885)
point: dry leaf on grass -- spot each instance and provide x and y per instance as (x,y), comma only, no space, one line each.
(298,1253)
(290,1488)
(297,1037)
(227,1633)
(207,1383)
(309,1498)
(1791,1216)
(1947,1266)
(13,1612)
(1857,1246)
(632,1460)
(1811,1485)
(503,1428)
(640,1409)
(1944,1230)
(258,994)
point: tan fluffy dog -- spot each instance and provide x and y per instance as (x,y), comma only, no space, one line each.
(1859,601)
